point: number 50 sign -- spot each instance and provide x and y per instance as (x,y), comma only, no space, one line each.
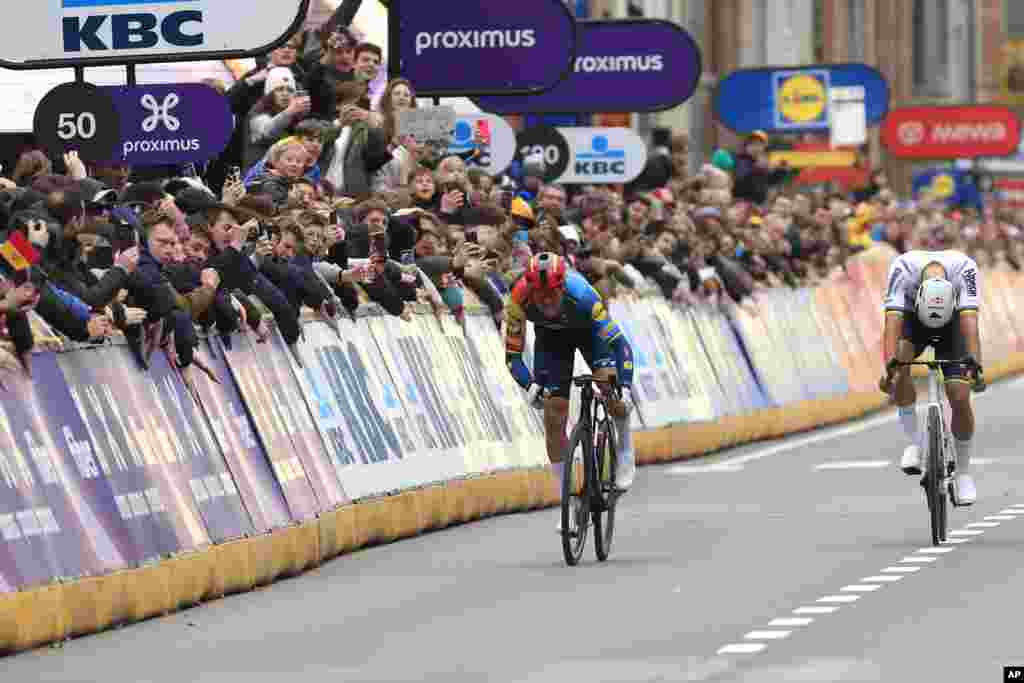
(78,116)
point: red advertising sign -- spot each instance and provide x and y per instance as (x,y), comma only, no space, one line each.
(951,132)
(1011,191)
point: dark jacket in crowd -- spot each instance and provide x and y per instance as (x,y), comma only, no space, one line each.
(752,181)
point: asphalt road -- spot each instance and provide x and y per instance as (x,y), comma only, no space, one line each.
(704,558)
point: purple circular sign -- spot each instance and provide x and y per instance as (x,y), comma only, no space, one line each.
(468,47)
(171,124)
(632,65)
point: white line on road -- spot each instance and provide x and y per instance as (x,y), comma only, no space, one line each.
(741,648)
(791,621)
(957,540)
(1012,511)
(766,635)
(703,469)
(966,532)
(918,559)
(859,588)
(902,570)
(982,525)
(853,465)
(882,579)
(936,551)
(1000,518)
(815,610)
(839,598)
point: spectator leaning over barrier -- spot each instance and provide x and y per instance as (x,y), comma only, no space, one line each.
(230,258)
(286,165)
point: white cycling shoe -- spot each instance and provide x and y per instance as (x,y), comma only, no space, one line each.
(964,491)
(910,463)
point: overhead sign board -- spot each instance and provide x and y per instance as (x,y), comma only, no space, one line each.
(631,65)
(958,132)
(459,48)
(581,155)
(143,126)
(483,141)
(795,100)
(45,34)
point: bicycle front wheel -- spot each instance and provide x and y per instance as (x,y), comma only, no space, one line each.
(605,450)
(934,478)
(575,502)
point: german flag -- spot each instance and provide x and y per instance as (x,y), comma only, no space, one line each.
(19,252)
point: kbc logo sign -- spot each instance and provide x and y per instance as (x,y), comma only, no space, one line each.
(101,25)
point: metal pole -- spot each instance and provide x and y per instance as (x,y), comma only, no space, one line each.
(132,81)
(394,37)
(79,74)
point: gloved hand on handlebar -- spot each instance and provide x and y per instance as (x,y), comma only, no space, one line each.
(885,384)
(536,395)
(979,374)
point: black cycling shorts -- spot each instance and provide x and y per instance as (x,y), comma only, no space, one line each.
(947,341)
(554,356)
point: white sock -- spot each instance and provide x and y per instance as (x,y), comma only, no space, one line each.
(625,434)
(963,456)
(908,418)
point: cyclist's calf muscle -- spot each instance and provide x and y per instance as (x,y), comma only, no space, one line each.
(556,413)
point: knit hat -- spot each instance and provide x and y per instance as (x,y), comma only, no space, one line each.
(279,77)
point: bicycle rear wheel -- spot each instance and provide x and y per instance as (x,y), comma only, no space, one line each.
(934,478)
(605,450)
(575,502)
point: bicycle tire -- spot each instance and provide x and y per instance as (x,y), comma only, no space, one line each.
(605,451)
(935,476)
(573,518)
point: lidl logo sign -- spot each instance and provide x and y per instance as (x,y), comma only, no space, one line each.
(801,99)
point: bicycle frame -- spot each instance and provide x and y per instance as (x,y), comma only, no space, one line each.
(937,398)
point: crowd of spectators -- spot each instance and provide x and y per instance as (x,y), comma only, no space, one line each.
(319,205)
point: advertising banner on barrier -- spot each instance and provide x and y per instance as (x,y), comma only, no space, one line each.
(627,65)
(272,426)
(700,393)
(744,383)
(357,407)
(400,345)
(525,425)
(466,47)
(211,483)
(280,369)
(238,442)
(771,371)
(150,482)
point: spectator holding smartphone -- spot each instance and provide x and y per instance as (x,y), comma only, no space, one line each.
(281,108)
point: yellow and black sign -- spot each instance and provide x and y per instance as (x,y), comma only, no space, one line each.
(801,99)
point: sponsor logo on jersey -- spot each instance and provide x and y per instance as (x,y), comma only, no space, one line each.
(971,280)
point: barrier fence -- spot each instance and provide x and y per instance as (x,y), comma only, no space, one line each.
(115,479)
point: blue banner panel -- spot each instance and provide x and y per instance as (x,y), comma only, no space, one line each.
(272,425)
(795,99)
(236,438)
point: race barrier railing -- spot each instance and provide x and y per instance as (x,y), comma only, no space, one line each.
(126,495)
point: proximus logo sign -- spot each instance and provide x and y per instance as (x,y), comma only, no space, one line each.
(499,39)
(619,64)
(88,28)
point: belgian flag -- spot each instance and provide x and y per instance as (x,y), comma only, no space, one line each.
(18,252)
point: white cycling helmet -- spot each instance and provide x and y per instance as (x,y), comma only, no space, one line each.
(935,302)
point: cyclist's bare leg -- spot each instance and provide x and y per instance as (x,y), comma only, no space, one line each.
(620,414)
(904,393)
(958,391)
(556,414)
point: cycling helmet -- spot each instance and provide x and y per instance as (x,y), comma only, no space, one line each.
(546,271)
(935,302)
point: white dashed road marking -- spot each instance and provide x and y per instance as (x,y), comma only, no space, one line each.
(854,465)
(853,592)
(791,621)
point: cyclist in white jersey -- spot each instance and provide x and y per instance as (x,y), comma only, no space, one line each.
(932,300)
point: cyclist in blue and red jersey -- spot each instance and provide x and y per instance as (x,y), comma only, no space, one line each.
(567,314)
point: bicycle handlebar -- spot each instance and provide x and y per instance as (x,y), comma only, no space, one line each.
(583,380)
